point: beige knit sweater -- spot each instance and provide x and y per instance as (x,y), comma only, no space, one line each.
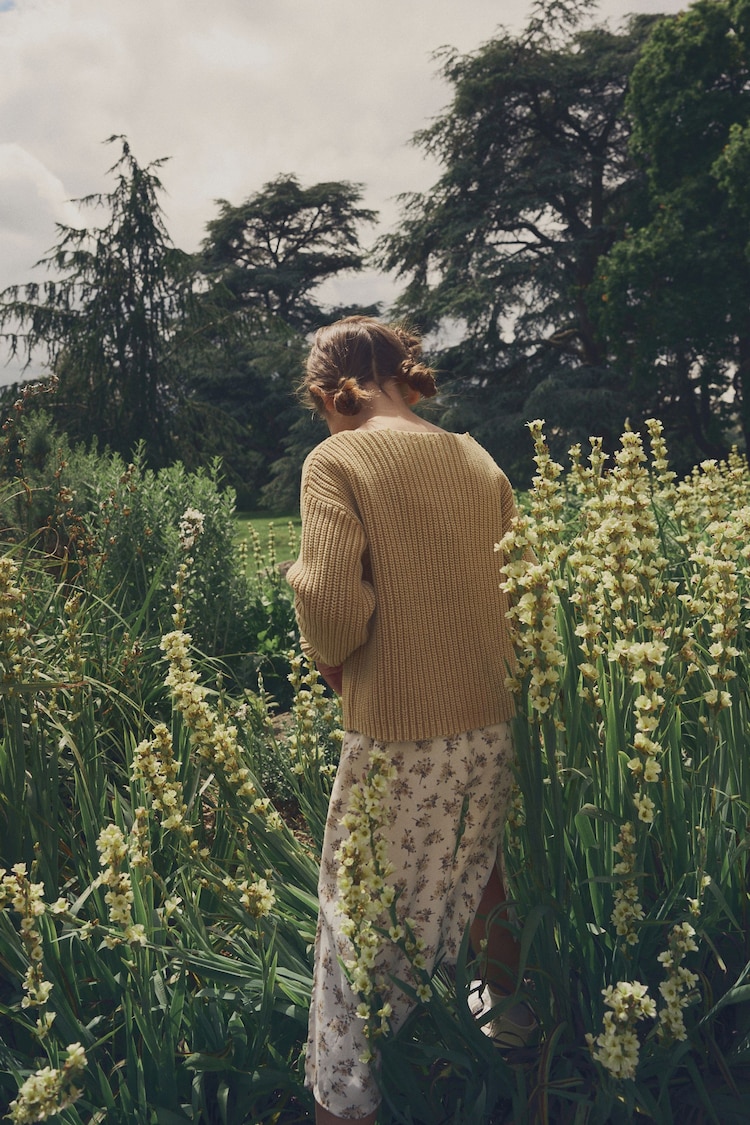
(398,580)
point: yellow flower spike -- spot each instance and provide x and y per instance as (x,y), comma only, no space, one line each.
(617,1047)
(49,1090)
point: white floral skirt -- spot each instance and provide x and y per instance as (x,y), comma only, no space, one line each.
(447,803)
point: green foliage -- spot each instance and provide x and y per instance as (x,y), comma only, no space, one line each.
(191,1004)
(116,526)
(584,251)
(195,356)
(630,820)
(263,262)
(175,911)
(282,488)
(275,249)
(536,185)
(673,295)
(250,378)
(107,317)
(278,534)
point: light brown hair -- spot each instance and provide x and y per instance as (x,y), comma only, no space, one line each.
(352,356)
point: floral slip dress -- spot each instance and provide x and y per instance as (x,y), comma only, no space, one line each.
(445,807)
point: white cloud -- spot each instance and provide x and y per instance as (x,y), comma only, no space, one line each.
(29,193)
(32,200)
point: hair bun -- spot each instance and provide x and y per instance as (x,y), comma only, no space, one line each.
(349,397)
(420,378)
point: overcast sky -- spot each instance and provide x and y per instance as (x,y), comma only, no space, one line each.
(234,92)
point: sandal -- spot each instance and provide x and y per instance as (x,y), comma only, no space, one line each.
(506,1032)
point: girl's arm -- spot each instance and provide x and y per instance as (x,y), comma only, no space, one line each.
(333,601)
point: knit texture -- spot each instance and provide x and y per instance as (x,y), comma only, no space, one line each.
(398,580)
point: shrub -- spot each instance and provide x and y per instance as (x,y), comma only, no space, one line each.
(88,511)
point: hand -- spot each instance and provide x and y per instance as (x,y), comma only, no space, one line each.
(332,676)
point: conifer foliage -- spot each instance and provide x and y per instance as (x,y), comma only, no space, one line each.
(107,317)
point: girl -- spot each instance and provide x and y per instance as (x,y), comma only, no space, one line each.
(398,602)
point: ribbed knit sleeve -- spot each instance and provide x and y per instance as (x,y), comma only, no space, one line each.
(333,602)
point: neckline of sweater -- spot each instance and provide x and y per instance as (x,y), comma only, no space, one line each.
(393,430)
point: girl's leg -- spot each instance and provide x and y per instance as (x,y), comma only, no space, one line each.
(516,1026)
(324,1117)
(501,957)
